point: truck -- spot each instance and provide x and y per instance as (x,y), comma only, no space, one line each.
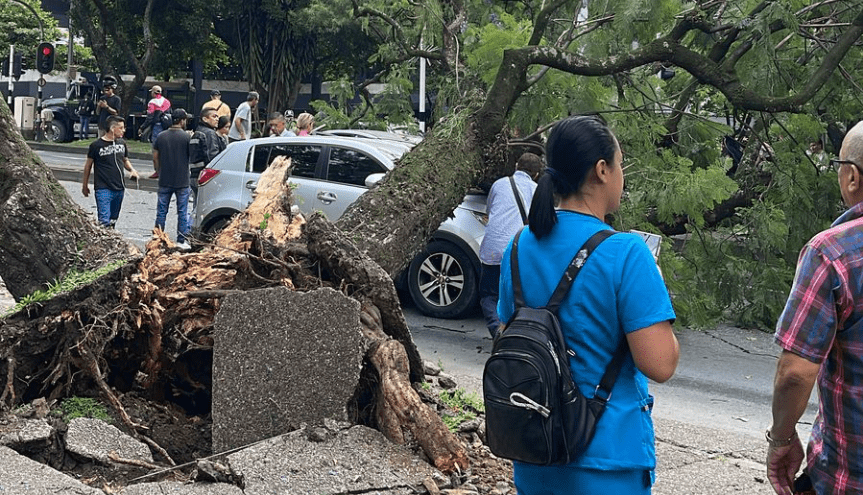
(66,124)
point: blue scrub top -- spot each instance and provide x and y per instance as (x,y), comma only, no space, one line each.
(619,290)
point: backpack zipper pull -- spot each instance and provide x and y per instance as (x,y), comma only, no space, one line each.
(528,403)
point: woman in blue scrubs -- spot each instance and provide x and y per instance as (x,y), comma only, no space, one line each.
(619,295)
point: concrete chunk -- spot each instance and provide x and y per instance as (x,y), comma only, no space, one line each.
(19,474)
(282,358)
(358,459)
(96,439)
(24,434)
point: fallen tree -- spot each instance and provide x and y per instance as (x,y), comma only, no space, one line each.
(144,325)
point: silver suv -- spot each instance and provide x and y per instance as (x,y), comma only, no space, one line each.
(330,173)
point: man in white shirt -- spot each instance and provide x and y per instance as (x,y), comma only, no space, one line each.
(241,129)
(505,218)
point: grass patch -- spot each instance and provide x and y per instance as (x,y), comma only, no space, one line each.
(462,406)
(72,280)
(83,407)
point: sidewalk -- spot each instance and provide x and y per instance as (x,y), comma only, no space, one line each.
(703,461)
(66,148)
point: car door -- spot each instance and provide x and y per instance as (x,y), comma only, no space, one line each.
(343,179)
(305,160)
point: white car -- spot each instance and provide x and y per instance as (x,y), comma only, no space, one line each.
(330,173)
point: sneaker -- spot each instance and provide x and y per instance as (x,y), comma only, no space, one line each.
(155,175)
(184,246)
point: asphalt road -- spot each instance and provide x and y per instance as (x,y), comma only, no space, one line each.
(724,379)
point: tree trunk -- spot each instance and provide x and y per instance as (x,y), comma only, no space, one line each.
(43,233)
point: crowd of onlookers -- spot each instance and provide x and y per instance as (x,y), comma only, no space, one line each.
(179,154)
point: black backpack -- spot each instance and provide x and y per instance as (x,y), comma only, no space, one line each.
(535,412)
(166,119)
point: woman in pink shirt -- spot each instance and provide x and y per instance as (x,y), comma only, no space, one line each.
(305,123)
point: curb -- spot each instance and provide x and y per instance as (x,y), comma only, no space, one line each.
(82,151)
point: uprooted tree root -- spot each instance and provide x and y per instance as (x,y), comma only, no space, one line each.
(147,327)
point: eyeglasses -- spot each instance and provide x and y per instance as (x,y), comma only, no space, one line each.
(836,164)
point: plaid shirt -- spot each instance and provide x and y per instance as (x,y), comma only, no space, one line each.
(823,322)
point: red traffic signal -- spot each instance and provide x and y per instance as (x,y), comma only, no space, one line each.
(45,58)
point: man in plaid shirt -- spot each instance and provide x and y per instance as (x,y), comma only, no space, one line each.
(821,333)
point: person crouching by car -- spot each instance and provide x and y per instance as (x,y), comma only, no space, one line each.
(204,145)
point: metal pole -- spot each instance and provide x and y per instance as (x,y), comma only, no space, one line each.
(11,86)
(422,94)
(69,49)
(39,133)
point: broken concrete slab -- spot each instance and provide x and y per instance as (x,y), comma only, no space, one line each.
(19,474)
(282,358)
(175,488)
(358,459)
(25,434)
(97,440)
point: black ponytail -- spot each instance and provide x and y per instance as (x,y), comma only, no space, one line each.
(574,147)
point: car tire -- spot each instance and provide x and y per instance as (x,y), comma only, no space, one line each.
(443,282)
(216,226)
(57,132)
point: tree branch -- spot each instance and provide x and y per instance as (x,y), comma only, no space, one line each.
(398,32)
(701,67)
(542,20)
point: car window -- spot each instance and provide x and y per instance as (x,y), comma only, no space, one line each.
(351,166)
(304,158)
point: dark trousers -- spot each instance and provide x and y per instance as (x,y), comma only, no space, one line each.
(489,282)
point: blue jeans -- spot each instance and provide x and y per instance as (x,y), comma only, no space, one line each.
(108,202)
(489,280)
(164,203)
(157,128)
(85,127)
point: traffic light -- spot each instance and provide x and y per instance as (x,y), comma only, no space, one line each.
(45,58)
(17,68)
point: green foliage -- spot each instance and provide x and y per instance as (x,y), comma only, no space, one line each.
(461,406)
(72,280)
(263,224)
(83,407)
(485,44)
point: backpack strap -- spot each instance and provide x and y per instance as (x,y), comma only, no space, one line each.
(518,200)
(574,267)
(606,383)
(518,295)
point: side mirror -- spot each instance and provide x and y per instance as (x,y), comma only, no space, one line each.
(373,179)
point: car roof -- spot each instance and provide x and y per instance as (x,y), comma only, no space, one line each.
(375,134)
(370,146)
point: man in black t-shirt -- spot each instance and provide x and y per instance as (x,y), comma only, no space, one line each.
(110,156)
(171,160)
(109,105)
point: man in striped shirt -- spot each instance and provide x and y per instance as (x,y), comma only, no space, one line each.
(821,333)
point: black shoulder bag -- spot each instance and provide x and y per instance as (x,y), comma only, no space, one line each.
(535,412)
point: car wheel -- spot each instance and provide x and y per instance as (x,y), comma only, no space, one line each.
(56,132)
(442,281)
(216,226)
